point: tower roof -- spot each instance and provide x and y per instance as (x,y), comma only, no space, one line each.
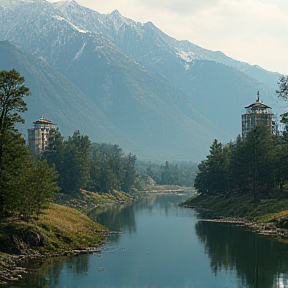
(258,105)
(42,120)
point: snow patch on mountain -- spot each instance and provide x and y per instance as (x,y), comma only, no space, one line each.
(118,21)
(13,3)
(71,24)
(79,53)
(186,56)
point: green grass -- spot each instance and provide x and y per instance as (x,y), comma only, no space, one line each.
(86,200)
(58,229)
(266,210)
(163,188)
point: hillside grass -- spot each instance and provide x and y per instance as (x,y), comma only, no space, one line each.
(167,188)
(58,229)
(274,209)
(86,200)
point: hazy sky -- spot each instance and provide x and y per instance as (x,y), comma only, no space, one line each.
(253,31)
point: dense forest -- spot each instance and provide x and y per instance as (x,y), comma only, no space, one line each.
(178,173)
(29,182)
(92,166)
(255,166)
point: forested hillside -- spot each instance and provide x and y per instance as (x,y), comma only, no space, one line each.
(248,177)
(158,98)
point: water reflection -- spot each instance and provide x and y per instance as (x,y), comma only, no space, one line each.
(117,218)
(259,261)
(163,245)
(121,218)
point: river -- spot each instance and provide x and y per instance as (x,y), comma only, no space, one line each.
(163,245)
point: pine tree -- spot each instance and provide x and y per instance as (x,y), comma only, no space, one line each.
(12,92)
(283,87)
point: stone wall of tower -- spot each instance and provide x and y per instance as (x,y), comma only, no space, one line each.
(255,117)
(39,135)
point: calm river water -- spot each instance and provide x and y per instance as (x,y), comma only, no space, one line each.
(163,245)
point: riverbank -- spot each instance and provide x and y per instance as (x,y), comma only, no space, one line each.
(87,200)
(59,231)
(62,230)
(266,217)
(167,189)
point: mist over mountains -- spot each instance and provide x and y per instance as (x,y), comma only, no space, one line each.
(125,82)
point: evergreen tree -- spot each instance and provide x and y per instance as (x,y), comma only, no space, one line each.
(238,173)
(14,160)
(202,178)
(283,87)
(129,170)
(216,168)
(76,163)
(259,160)
(12,92)
(26,184)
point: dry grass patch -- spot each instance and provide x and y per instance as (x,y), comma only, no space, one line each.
(58,229)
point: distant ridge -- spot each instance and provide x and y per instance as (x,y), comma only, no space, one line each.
(155,96)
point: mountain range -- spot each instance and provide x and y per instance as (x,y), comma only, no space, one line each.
(126,82)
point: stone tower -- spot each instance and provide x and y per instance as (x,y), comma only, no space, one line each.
(39,135)
(255,114)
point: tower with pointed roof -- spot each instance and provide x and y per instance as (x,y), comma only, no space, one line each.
(39,135)
(256,113)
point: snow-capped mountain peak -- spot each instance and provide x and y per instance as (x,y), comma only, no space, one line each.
(64,3)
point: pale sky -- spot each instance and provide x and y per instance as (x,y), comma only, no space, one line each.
(252,31)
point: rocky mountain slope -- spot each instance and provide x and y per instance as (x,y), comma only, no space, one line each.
(55,96)
(144,85)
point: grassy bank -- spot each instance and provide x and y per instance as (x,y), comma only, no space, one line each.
(272,210)
(86,200)
(167,188)
(58,228)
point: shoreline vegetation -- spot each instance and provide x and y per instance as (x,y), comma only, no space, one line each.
(267,217)
(62,230)
(59,231)
(166,189)
(45,190)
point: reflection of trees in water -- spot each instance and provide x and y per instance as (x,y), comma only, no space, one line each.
(258,260)
(116,218)
(46,277)
(166,201)
(78,265)
(122,216)
(49,273)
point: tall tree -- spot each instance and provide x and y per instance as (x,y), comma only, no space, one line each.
(238,172)
(217,167)
(13,162)
(283,87)
(28,184)
(259,159)
(129,172)
(77,161)
(12,92)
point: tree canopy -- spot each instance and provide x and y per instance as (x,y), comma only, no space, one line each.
(26,184)
(12,92)
(248,166)
(97,167)
(283,87)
